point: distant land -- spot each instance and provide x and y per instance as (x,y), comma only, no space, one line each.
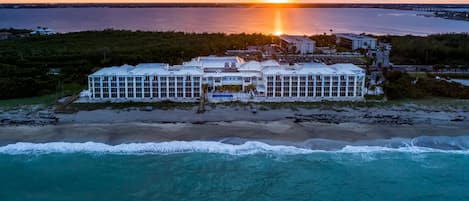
(429,7)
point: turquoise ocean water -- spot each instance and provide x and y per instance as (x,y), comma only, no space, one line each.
(246,171)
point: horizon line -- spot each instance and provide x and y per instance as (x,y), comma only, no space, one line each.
(227,3)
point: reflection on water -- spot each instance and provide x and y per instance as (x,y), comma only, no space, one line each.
(278,22)
(232,20)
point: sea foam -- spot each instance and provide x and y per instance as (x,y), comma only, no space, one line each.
(171,147)
(174,147)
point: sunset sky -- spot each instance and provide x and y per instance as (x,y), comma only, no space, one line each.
(237,1)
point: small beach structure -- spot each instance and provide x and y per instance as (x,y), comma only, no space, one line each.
(228,79)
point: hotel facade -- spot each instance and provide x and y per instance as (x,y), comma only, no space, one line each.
(355,41)
(227,79)
(297,44)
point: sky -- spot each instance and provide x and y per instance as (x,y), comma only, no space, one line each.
(238,1)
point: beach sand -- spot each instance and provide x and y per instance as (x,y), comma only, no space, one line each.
(287,125)
(285,130)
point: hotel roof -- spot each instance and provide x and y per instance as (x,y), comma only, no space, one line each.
(257,66)
(352,36)
(114,70)
(214,62)
(348,68)
(314,68)
(252,68)
(148,69)
(296,39)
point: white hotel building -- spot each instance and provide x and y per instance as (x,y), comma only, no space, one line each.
(355,41)
(227,79)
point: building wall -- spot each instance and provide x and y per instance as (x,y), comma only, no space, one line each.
(357,43)
(306,48)
(320,86)
(324,87)
(365,44)
(298,47)
(140,87)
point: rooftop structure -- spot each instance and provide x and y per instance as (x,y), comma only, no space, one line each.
(43,31)
(355,41)
(297,44)
(5,35)
(215,64)
(228,79)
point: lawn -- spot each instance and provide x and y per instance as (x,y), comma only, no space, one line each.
(433,101)
(46,100)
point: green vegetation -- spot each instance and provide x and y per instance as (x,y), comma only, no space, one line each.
(441,75)
(433,49)
(16,31)
(234,88)
(374,97)
(38,100)
(434,103)
(25,62)
(251,87)
(418,74)
(452,75)
(324,40)
(163,105)
(320,104)
(47,100)
(402,85)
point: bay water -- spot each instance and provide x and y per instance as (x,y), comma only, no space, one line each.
(234,20)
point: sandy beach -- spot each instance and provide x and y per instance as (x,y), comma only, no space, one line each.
(286,130)
(115,126)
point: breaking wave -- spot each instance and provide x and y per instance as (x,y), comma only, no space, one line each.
(152,148)
(458,145)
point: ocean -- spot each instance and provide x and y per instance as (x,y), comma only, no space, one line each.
(234,20)
(425,168)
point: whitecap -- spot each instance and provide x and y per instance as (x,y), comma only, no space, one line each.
(250,147)
(173,147)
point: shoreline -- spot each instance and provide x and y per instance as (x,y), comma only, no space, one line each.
(284,125)
(279,132)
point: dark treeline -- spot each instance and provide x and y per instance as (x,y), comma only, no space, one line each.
(401,85)
(434,49)
(16,31)
(24,63)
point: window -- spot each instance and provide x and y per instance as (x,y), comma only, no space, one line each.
(138,88)
(286,86)
(163,91)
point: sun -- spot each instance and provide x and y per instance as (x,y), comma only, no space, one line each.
(277,1)
(278,33)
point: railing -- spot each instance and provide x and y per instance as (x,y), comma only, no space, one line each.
(228,96)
